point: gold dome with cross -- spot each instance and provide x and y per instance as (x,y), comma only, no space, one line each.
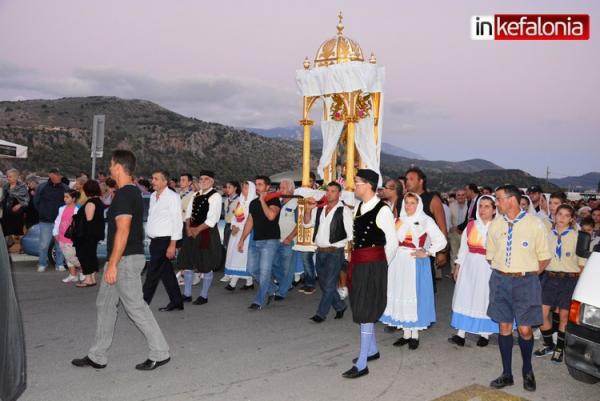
(339,49)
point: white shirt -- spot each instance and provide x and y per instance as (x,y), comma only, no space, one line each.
(215,203)
(458,214)
(322,238)
(385,221)
(287,218)
(164,215)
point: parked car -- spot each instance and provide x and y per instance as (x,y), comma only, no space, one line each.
(582,348)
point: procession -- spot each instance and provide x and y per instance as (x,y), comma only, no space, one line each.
(337,280)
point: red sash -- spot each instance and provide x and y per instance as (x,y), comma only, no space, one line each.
(364,255)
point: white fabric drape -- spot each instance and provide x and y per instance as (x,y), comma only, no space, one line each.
(338,78)
(367,148)
(331,131)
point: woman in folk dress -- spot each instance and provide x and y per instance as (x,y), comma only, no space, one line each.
(472,292)
(235,262)
(410,299)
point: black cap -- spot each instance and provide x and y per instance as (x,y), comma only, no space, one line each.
(208,173)
(534,188)
(54,170)
(368,175)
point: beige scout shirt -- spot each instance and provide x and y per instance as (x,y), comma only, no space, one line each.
(569,262)
(529,245)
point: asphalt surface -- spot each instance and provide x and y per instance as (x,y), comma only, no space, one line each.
(223,351)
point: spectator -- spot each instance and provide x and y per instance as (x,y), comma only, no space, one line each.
(31,214)
(14,201)
(91,215)
(48,199)
(61,224)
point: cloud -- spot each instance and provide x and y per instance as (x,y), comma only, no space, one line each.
(236,102)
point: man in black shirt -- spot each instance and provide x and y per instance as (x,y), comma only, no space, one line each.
(263,222)
(122,275)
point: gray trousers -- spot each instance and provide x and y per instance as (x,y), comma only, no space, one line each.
(128,291)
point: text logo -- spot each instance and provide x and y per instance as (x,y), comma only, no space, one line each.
(530,27)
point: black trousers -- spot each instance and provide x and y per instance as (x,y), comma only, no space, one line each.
(161,269)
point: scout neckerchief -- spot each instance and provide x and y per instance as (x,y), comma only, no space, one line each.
(187,191)
(510,235)
(558,250)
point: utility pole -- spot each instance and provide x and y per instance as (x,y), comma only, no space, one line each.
(547,175)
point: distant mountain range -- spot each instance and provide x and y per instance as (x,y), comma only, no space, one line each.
(296,133)
(589,181)
(58,133)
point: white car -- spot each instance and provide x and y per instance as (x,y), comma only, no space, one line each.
(582,342)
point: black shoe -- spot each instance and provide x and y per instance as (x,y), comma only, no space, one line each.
(270,299)
(502,382)
(247,287)
(149,364)
(529,382)
(457,340)
(278,298)
(413,343)
(254,307)
(482,342)
(170,307)
(354,373)
(557,356)
(187,299)
(401,341)
(200,301)
(340,314)
(317,319)
(373,357)
(85,361)
(229,288)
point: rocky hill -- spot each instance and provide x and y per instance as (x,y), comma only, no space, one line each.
(58,133)
(589,181)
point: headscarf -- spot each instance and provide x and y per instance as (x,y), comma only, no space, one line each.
(242,209)
(531,209)
(481,226)
(415,224)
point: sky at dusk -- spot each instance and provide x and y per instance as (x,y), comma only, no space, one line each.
(526,104)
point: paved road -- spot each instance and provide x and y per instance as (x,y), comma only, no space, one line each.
(222,351)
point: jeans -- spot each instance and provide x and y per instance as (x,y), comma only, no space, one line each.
(45,239)
(328,269)
(128,292)
(283,268)
(310,275)
(260,264)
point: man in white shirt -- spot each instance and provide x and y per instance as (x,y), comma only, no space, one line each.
(333,230)
(164,229)
(458,213)
(284,262)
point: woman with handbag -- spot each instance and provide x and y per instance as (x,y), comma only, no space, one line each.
(63,233)
(91,219)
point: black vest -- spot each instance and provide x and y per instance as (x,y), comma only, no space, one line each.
(426,198)
(337,231)
(200,208)
(366,232)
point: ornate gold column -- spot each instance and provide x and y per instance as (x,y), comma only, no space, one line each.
(306,152)
(350,148)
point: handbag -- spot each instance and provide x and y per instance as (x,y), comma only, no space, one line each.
(75,229)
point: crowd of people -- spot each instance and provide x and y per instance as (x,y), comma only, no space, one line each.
(514,255)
